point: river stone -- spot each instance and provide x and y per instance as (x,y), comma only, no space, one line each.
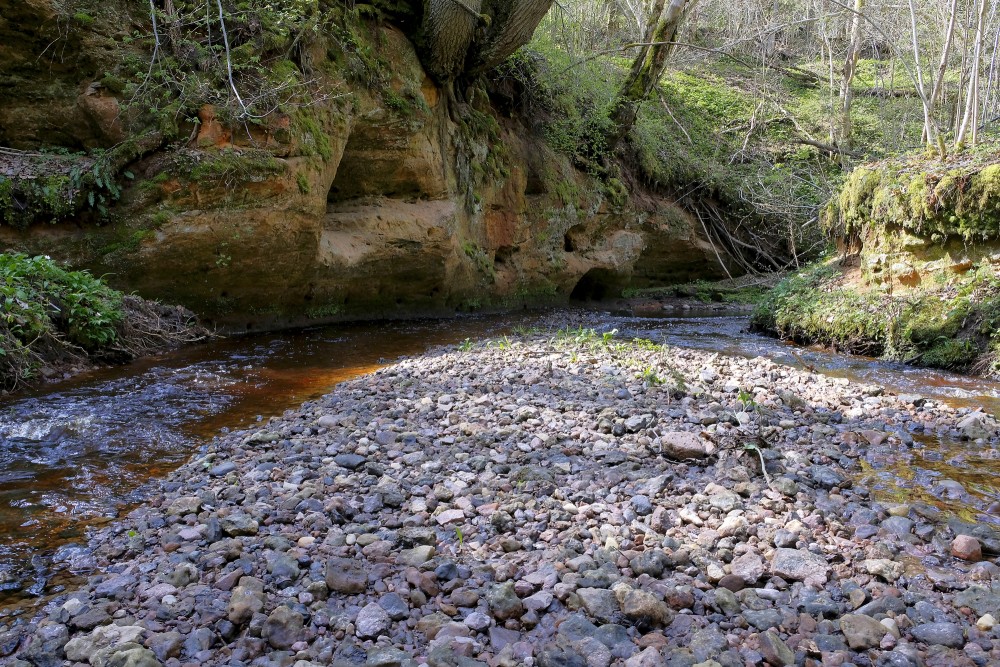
(942,634)
(652,562)
(798,564)
(372,621)
(576,627)
(898,525)
(749,567)
(503,601)
(981,600)
(238,524)
(967,548)
(775,651)
(650,657)
(132,656)
(283,628)
(184,505)
(645,609)
(416,556)
(883,567)
(395,606)
(284,569)
(976,426)
(862,632)
(600,603)
(683,445)
(247,599)
(349,461)
(344,575)
(47,645)
(222,469)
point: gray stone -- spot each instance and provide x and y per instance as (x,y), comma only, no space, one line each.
(372,621)
(749,567)
(645,609)
(600,603)
(898,525)
(416,556)
(652,562)
(642,505)
(349,461)
(943,634)
(503,601)
(222,469)
(47,645)
(798,564)
(247,599)
(683,445)
(238,524)
(283,628)
(132,656)
(395,606)
(775,651)
(284,569)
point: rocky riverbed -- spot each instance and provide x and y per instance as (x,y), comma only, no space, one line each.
(558,498)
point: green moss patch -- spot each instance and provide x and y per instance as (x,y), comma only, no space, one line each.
(952,327)
(939,200)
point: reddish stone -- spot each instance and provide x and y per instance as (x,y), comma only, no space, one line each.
(967,548)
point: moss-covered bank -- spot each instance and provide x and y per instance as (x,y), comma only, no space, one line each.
(51,319)
(916,274)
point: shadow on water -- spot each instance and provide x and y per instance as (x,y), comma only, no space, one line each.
(78,453)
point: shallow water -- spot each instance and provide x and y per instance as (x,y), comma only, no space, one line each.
(77,453)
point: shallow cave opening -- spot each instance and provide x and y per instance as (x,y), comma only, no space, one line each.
(597,285)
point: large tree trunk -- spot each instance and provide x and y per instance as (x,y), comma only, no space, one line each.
(447,32)
(511,25)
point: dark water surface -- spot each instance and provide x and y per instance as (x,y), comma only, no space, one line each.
(76,454)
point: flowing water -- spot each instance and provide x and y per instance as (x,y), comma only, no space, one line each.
(75,454)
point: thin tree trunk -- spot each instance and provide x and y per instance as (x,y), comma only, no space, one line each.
(949,38)
(932,136)
(970,119)
(850,67)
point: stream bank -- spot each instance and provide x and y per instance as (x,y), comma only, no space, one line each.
(601,508)
(915,275)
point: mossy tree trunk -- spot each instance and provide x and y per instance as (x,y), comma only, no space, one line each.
(850,67)
(468,37)
(647,68)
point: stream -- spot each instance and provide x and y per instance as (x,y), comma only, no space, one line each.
(79,453)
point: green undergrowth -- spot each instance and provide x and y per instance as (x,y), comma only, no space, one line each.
(953,326)
(52,317)
(46,310)
(937,199)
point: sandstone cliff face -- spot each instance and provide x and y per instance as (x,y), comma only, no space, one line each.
(354,208)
